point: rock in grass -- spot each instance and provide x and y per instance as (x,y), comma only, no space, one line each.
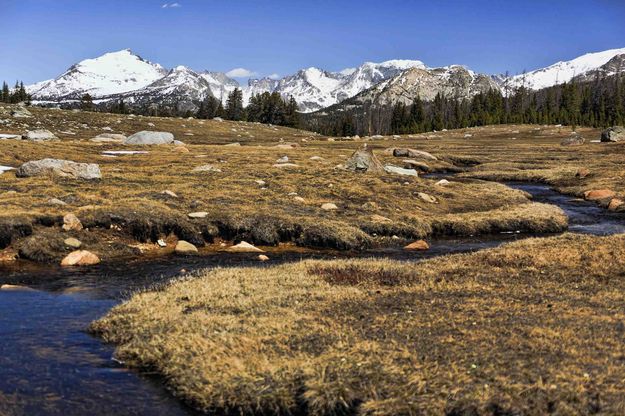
(616,205)
(426,197)
(573,140)
(285,165)
(72,243)
(199,214)
(21,112)
(244,247)
(150,138)
(442,182)
(599,194)
(613,134)
(415,164)
(59,167)
(582,173)
(184,247)
(329,206)
(109,138)
(262,257)
(56,201)
(80,258)
(417,154)
(419,245)
(71,223)
(400,171)
(39,135)
(363,160)
(380,219)
(169,193)
(206,168)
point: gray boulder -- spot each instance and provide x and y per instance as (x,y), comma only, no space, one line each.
(363,160)
(613,134)
(400,171)
(39,135)
(59,167)
(21,112)
(150,138)
(573,140)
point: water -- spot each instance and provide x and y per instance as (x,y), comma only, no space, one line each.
(49,365)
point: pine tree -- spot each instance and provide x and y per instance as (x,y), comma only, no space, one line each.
(234,105)
(86,103)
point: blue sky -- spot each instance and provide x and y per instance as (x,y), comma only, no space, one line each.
(43,37)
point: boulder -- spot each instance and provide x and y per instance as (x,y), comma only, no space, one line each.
(329,206)
(400,171)
(417,154)
(80,258)
(150,138)
(200,214)
(109,138)
(244,247)
(363,160)
(184,247)
(573,140)
(613,134)
(39,135)
(262,257)
(419,245)
(442,182)
(283,159)
(71,223)
(59,167)
(599,194)
(616,205)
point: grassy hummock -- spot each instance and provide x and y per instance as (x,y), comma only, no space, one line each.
(533,327)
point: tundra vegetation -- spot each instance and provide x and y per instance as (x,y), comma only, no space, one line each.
(532,327)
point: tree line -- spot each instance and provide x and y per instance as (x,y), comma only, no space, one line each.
(596,103)
(15,95)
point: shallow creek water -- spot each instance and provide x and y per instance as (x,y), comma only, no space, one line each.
(49,365)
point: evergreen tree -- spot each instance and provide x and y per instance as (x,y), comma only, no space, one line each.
(86,103)
(234,105)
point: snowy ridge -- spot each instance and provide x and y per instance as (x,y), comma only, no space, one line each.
(564,71)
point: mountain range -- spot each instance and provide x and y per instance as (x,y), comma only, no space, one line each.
(125,75)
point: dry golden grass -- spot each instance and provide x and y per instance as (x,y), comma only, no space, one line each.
(130,194)
(534,327)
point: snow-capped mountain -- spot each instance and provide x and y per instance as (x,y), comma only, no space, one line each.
(111,73)
(220,84)
(561,72)
(314,88)
(453,81)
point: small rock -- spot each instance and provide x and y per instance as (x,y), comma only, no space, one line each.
(219,119)
(263,257)
(426,198)
(21,112)
(161,243)
(599,194)
(329,206)
(72,242)
(582,173)
(169,193)
(442,182)
(283,159)
(200,214)
(260,182)
(299,199)
(206,168)
(80,258)
(244,247)
(414,164)
(55,201)
(71,223)
(109,138)
(616,204)
(235,144)
(400,171)
(380,219)
(40,135)
(184,247)
(418,246)
(181,149)
(285,165)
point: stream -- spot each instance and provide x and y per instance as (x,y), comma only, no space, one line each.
(49,365)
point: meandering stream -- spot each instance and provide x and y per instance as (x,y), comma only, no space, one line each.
(50,366)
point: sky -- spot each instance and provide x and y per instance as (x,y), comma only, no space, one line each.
(275,38)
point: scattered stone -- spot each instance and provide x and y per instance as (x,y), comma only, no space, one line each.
(80,258)
(283,159)
(363,160)
(442,182)
(380,219)
(161,243)
(184,247)
(39,135)
(400,171)
(235,144)
(59,167)
(599,194)
(21,112)
(426,198)
(263,257)
(219,119)
(169,193)
(199,214)
(181,149)
(178,143)
(317,158)
(616,204)
(10,137)
(582,173)
(329,206)
(418,154)
(206,168)
(71,223)
(244,247)
(72,242)
(573,140)
(109,138)
(260,182)
(150,138)
(56,201)
(613,134)
(419,245)
(285,165)
(299,199)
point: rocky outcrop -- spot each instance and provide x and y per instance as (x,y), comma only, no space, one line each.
(363,160)
(109,138)
(59,167)
(39,135)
